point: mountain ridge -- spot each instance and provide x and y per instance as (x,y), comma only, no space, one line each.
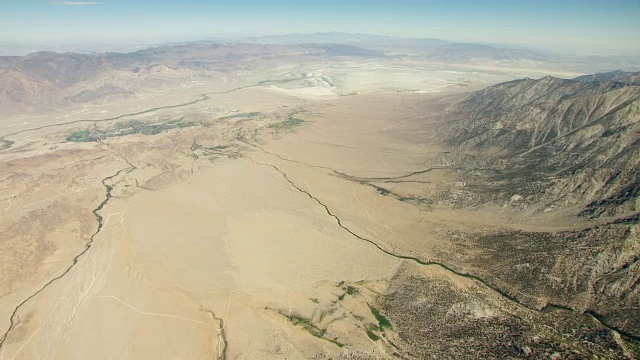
(558,146)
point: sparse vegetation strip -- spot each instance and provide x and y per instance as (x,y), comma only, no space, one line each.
(6,144)
(223,345)
(289,123)
(127,128)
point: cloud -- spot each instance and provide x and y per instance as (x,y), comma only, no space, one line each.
(75,3)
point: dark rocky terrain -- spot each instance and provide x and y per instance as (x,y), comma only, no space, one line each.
(446,322)
(561,152)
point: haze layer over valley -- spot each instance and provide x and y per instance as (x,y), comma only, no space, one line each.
(306,199)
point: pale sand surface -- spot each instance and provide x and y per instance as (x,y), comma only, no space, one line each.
(166,258)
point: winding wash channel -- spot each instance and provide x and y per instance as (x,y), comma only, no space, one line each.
(88,245)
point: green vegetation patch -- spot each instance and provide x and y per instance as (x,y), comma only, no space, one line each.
(335,341)
(380,190)
(351,290)
(5,144)
(372,335)
(129,127)
(241,115)
(383,322)
(348,290)
(308,325)
(85,135)
(287,124)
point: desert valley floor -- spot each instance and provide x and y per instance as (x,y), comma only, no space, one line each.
(286,213)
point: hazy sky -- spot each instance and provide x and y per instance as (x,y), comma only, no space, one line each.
(585,26)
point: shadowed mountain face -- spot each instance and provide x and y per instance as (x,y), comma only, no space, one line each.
(565,147)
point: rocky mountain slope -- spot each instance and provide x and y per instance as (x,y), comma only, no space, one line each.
(579,136)
(565,147)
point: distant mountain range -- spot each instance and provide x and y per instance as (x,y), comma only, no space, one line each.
(434,49)
(50,78)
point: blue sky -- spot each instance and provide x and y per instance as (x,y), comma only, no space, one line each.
(586,26)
